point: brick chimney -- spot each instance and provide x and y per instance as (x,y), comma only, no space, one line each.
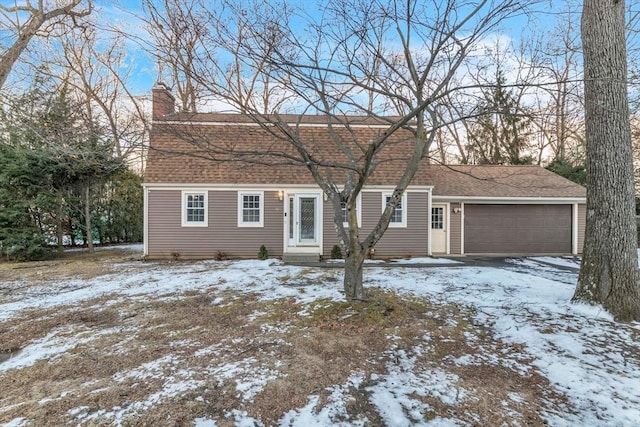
(164,102)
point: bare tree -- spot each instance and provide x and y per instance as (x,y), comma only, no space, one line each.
(418,47)
(250,35)
(177,27)
(560,120)
(94,69)
(41,20)
(195,38)
(609,271)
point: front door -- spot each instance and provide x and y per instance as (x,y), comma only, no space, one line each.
(303,220)
(439,228)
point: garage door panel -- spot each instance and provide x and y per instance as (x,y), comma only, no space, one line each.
(517,228)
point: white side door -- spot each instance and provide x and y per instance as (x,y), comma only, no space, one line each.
(439,228)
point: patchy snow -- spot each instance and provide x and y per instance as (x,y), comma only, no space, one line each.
(134,247)
(17,422)
(329,414)
(583,353)
(415,261)
(393,393)
(53,344)
(543,269)
(569,262)
(204,422)
(425,261)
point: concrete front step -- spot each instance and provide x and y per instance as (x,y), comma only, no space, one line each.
(300,258)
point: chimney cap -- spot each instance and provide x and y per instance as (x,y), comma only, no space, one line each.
(162,85)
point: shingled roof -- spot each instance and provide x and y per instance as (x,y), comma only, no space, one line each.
(496,181)
(175,159)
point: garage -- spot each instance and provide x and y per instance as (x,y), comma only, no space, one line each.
(517,229)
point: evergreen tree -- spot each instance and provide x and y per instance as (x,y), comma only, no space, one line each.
(499,132)
(575,172)
(21,234)
(51,152)
(121,208)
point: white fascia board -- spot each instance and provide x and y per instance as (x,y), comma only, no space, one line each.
(391,188)
(273,187)
(511,200)
(227,187)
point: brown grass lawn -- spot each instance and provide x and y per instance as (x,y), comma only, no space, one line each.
(171,360)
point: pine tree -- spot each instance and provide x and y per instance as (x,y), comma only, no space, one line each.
(498,134)
(50,153)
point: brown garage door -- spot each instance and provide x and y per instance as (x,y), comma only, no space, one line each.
(517,229)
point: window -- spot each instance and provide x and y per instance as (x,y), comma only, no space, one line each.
(399,214)
(358,210)
(194,209)
(251,209)
(437,218)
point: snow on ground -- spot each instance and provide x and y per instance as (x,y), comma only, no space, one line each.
(128,247)
(541,267)
(569,262)
(584,354)
(425,261)
(404,261)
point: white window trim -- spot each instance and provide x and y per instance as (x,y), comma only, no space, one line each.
(241,222)
(183,203)
(403,201)
(358,211)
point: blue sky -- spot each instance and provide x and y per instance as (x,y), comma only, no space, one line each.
(122,13)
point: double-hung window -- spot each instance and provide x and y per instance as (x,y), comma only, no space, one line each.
(358,210)
(251,209)
(399,214)
(194,209)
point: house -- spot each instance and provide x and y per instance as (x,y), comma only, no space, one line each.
(199,201)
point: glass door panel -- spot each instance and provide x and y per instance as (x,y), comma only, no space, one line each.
(307,222)
(291,220)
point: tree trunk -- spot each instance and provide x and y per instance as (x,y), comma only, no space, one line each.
(32,26)
(72,232)
(11,55)
(609,271)
(353,264)
(59,226)
(87,217)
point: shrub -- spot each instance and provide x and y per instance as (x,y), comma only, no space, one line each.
(25,246)
(336,252)
(263,253)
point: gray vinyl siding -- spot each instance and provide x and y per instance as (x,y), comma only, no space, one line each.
(398,242)
(455,229)
(329,233)
(167,237)
(582,219)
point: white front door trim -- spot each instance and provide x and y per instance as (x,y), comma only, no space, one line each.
(293,240)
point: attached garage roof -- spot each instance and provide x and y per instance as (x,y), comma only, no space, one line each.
(498,181)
